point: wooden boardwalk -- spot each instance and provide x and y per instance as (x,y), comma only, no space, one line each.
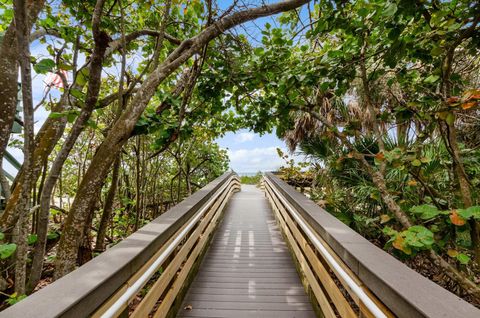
(248,270)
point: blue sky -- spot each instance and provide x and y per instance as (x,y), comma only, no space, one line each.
(250,152)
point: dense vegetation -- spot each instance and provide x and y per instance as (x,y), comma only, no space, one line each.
(382,97)
(255,179)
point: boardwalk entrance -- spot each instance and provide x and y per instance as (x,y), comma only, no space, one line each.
(248,270)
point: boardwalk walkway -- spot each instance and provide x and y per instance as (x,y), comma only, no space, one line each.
(248,270)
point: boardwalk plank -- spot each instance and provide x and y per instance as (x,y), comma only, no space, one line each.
(251,298)
(241,292)
(264,306)
(213,313)
(248,270)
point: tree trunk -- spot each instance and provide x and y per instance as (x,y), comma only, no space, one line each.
(107,208)
(23,27)
(8,85)
(9,73)
(85,252)
(46,140)
(5,185)
(101,44)
(464,184)
(9,54)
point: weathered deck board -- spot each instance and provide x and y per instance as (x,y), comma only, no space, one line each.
(248,270)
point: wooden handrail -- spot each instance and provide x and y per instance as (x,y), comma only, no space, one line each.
(326,250)
(157,258)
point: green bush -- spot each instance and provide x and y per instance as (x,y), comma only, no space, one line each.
(251,179)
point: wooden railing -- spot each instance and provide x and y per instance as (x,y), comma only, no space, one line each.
(144,275)
(347,276)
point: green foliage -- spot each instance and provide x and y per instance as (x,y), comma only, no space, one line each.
(14,298)
(44,66)
(52,235)
(7,250)
(255,179)
(472,212)
(463,259)
(32,239)
(425,211)
(416,238)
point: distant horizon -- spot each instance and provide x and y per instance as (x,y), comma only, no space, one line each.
(248,174)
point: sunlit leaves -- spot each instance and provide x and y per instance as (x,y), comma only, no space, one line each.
(14,298)
(419,237)
(460,257)
(71,115)
(44,66)
(457,217)
(6,16)
(425,211)
(471,212)
(463,258)
(7,250)
(415,238)
(390,9)
(432,79)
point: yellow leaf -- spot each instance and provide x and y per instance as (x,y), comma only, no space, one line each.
(412,183)
(384,218)
(399,244)
(452,253)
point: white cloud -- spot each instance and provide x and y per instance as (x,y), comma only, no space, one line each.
(244,137)
(253,160)
(257,159)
